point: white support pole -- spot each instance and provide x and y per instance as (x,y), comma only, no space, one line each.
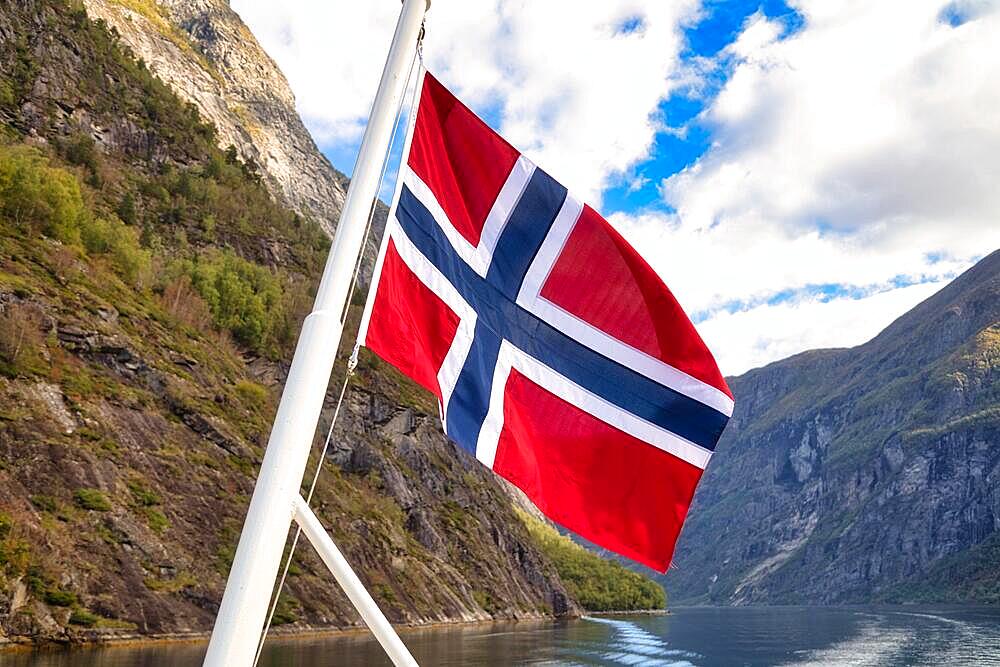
(355,590)
(241,617)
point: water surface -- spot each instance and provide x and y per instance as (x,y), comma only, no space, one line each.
(697,636)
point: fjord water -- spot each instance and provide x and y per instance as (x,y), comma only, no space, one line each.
(697,636)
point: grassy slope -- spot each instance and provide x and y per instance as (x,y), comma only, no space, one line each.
(101,243)
(137,279)
(598,584)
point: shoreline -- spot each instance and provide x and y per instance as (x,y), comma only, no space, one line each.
(637,612)
(199,637)
(96,641)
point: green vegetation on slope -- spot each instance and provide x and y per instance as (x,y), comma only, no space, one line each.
(155,14)
(134,271)
(969,576)
(38,198)
(596,583)
(149,290)
(176,208)
(244,298)
(258,305)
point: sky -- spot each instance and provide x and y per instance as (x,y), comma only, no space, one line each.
(799,172)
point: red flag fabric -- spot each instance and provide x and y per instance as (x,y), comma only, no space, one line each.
(559,357)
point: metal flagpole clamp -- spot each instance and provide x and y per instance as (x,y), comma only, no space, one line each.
(420,40)
(420,35)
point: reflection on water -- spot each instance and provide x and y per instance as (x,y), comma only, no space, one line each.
(629,644)
(702,637)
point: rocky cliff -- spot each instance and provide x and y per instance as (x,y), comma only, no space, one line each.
(864,474)
(205,53)
(150,291)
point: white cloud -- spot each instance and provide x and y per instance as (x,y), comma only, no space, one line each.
(332,54)
(734,262)
(752,338)
(572,90)
(878,120)
(864,148)
(877,113)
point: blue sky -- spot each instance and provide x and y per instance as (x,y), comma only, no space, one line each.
(718,27)
(705,37)
(800,173)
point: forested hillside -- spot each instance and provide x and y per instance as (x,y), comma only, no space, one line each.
(150,292)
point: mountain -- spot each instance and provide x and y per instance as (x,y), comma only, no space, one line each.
(151,288)
(862,474)
(207,55)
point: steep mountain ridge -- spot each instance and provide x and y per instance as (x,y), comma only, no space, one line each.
(870,473)
(150,291)
(203,50)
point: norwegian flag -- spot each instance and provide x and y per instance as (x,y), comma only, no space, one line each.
(559,357)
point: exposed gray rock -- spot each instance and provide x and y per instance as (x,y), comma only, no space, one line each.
(51,397)
(209,57)
(419,524)
(862,474)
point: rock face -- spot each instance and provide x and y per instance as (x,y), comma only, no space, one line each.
(864,474)
(130,432)
(203,50)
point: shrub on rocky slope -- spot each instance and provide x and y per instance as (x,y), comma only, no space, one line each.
(150,290)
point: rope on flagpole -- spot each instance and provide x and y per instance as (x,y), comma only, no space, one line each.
(420,40)
(352,362)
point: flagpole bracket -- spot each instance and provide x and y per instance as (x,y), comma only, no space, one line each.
(351,585)
(420,39)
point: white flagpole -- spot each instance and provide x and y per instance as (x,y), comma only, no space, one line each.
(241,617)
(349,581)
